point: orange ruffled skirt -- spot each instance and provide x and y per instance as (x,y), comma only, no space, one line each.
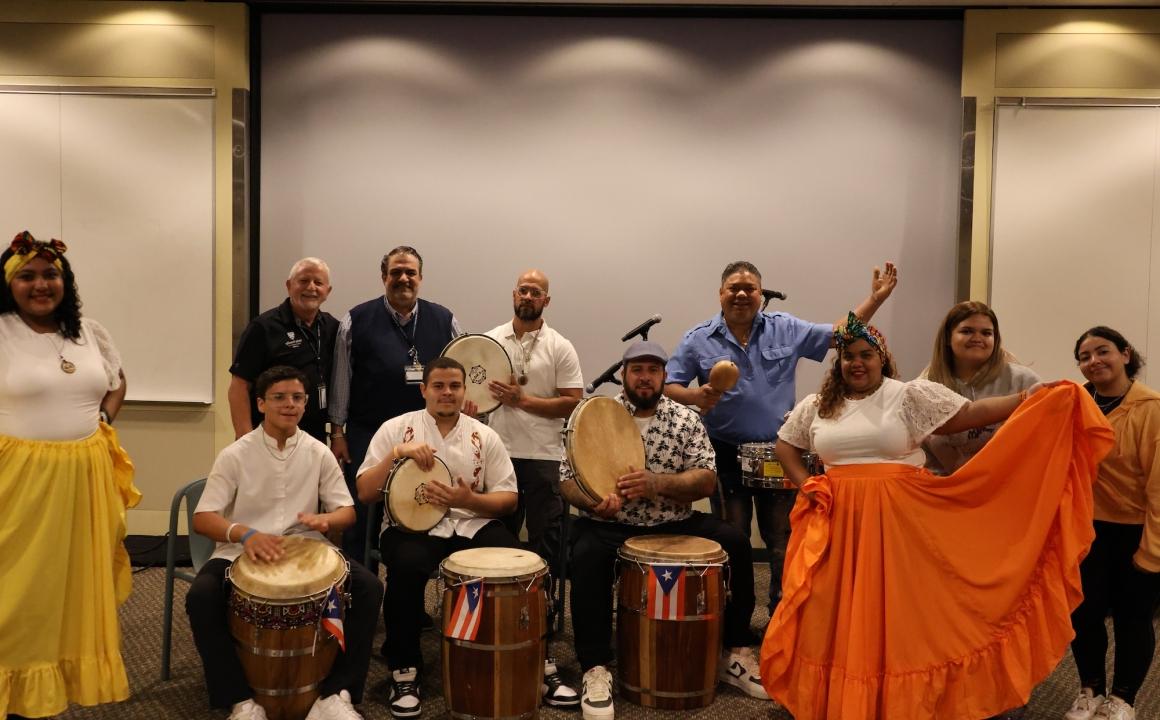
(907,596)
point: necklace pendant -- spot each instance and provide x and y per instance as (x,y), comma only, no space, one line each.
(522,379)
(67,367)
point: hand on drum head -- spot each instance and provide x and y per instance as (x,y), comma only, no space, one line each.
(470,408)
(456,496)
(638,484)
(263,548)
(507,393)
(420,452)
(314,522)
(608,507)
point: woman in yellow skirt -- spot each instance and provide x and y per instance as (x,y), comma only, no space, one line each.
(909,596)
(65,484)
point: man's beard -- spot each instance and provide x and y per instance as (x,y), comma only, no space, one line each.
(641,403)
(528,312)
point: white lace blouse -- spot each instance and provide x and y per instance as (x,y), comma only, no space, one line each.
(888,426)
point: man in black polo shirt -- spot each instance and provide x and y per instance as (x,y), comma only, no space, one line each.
(296,333)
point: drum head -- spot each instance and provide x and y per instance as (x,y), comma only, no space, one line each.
(602,443)
(406,495)
(487,562)
(673,549)
(484,359)
(308,567)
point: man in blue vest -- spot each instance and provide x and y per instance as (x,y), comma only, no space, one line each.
(379,355)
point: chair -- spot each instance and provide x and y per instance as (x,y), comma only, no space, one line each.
(200,549)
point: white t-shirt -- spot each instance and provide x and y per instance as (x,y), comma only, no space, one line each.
(256,484)
(550,362)
(472,451)
(38,400)
(888,426)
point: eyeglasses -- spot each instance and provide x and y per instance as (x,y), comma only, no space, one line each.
(281,398)
(533,292)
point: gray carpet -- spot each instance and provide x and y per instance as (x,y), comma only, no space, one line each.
(183,696)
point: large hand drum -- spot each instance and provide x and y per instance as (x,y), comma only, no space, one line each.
(405,499)
(275,613)
(484,359)
(602,443)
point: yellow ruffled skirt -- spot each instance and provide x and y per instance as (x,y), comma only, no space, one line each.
(63,571)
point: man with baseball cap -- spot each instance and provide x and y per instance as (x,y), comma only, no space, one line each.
(656,499)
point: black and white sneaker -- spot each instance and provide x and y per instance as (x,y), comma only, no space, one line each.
(597,701)
(404,699)
(554,691)
(740,669)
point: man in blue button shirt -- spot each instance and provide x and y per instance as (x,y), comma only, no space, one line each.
(766,348)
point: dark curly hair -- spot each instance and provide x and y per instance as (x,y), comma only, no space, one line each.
(833,393)
(67,313)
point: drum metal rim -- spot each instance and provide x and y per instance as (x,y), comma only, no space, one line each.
(314,597)
(511,367)
(453,579)
(568,431)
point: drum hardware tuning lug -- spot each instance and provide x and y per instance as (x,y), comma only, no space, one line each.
(701,602)
(644,597)
(525,618)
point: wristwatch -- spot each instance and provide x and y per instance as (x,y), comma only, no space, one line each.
(105,417)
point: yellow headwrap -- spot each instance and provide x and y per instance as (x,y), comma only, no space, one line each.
(26,248)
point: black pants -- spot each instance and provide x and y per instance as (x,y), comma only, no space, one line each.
(592,573)
(207,604)
(542,505)
(773,508)
(1112,583)
(410,559)
(354,538)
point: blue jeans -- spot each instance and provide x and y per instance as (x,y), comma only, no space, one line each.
(773,507)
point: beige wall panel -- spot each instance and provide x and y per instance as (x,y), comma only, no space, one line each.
(106,50)
(1077,60)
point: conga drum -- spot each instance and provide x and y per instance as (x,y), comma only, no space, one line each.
(494,623)
(760,468)
(275,614)
(483,359)
(405,499)
(670,603)
(602,443)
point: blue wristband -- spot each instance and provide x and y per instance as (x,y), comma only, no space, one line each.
(246,536)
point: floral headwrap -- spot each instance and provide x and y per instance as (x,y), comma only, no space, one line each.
(854,329)
(26,248)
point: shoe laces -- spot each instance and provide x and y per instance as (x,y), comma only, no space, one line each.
(597,684)
(1087,700)
(1114,708)
(406,681)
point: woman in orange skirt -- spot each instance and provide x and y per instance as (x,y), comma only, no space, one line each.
(908,596)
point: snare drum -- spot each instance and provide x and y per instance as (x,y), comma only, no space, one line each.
(405,500)
(602,443)
(484,360)
(669,642)
(275,612)
(760,467)
(497,673)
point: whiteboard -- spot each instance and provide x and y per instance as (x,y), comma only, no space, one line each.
(631,159)
(127,183)
(1074,229)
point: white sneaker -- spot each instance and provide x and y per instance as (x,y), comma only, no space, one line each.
(596,702)
(1085,706)
(248,710)
(334,707)
(553,689)
(741,670)
(404,701)
(1115,708)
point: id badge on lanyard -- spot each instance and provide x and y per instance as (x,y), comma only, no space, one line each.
(413,373)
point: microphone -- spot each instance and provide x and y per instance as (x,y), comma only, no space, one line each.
(642,329)
(608,375)
(772,295)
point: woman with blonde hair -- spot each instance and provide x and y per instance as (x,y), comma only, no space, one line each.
(969,359)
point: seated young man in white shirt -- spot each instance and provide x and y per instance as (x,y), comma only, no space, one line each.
(268,484)
(483,488)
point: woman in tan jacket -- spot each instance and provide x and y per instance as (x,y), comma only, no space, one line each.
(1121,574)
